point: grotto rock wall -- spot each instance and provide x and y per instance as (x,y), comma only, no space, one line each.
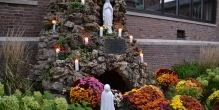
(73,26)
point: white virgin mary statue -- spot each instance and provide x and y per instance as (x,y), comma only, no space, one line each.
(107,102)
(108,16)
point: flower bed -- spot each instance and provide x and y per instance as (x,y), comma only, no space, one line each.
(166,77)
(146,98)
(213,100)
(86,89)
(190,87)
(183,102)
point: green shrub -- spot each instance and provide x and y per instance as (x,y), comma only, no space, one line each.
(29,103)
(209,81)
(61,104)
(9,103)
(186,70)
(83,106)
(76,5)
(32,101)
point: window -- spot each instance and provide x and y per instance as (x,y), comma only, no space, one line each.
(170,7)
(26,2)
(199,10)
(135,4)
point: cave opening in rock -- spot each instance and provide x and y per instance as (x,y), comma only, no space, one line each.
(114,80)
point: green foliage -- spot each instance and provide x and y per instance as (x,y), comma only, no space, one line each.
(190,92)
(9,103)
(2,91)
(47,26)
(187,70)
(32,101)
(86,52)
(48,95)
(83,106)
(61,104)
(46,74)
(17,93)
(37,96)
(76,5)
(48,105)
(110,36)
(29,103)
(62,41)
(209,81)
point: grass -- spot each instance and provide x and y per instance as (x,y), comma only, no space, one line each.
(15,62)
(209,56)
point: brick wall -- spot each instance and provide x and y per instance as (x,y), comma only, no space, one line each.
(28,17)
(151,28)
(165,56)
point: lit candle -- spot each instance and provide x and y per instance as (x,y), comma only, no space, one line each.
(131,38)
(57,52)
(120,32)
(141,57)
(54,24)
(83,2)
(76,64)
(101,31)
(86,40)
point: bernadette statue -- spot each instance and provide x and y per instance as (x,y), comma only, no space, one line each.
(108,16)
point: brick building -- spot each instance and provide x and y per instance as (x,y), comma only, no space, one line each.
(146,19)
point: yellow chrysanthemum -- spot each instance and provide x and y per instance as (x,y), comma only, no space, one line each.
(213,96)
(176,103)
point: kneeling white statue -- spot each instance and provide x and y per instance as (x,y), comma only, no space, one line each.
(107,99)
(108,16)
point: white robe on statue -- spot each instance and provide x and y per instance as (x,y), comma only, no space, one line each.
(108,15)
(107,97)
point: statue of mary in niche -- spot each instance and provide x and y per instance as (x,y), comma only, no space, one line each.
(108,16)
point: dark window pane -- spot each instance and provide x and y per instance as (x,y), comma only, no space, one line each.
(136,4)
(196,9)
(170,7)
(184,6)
(207,10)
(153,5)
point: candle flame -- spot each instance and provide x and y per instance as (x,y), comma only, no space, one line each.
(140,53)
(131,37)
(54,21)
(57,50)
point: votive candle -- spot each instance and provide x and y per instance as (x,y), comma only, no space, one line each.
(83,2)
(57,52)
(101,31)
(141,57)
(120,32)
(54,24)
(86,40)
(76,64)
(131,38)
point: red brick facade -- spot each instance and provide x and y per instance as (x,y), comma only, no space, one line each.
(151,28)
(28,17)
(165,56)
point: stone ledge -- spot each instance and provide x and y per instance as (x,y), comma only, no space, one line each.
(20,39)
(175,42)
(169,18)
(24,2)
